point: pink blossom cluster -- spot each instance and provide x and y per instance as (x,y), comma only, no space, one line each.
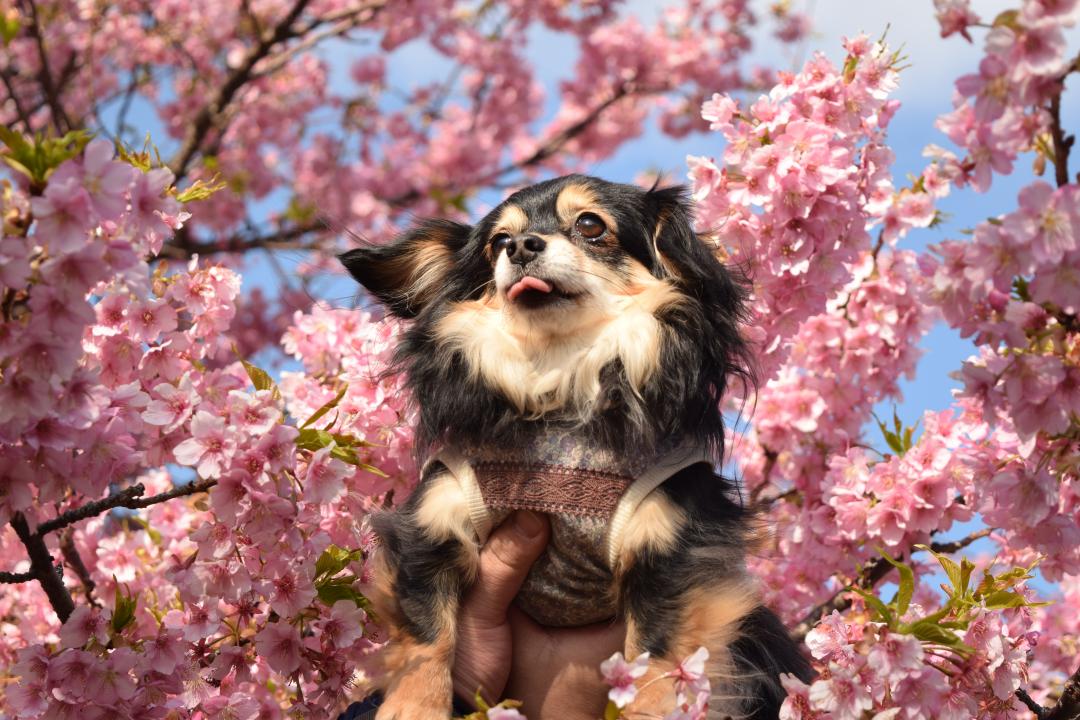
(1005,455)
(1012,286)
(70,391)
(112,370)
(868,669)
(1000,110)
(804,173)
(689,680)
(805,421)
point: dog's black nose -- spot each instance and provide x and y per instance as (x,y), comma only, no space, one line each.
(523,249)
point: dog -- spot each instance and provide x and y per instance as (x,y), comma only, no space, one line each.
(568,355)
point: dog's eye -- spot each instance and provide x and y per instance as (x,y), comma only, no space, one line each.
(590,226)
(499,242)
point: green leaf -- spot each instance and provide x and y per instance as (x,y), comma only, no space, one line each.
(259,377)
(934,633)
(884,612)
(325,408)
(10,24)
(966,568)
(906,587)
(334,559)
(372,469)
(951,568)
(200,189)
(340,589)
(145,160)
(1006,18)
(1002,599)
(341,446)
(123,609)
(612,711)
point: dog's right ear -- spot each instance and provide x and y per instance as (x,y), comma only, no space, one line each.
(406,273)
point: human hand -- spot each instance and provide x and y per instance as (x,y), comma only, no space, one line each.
(483,651)
(500,650)
(556,671)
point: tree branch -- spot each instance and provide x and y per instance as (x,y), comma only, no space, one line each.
(89,510)
(52,96)
(204,119)
(43,569)
(871,574)
(182,245)
(19,109)
(130,497)
(1067,706)
(343,22)
(953,546)
(178,491)
(1062,142)
(10,578)
(75,561)
(556,143)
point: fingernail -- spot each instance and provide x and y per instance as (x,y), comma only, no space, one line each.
(528,523)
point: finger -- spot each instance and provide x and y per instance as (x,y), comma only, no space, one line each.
(588,644)
(504,562)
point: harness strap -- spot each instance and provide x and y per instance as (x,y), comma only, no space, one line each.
(463,472)
(480,515)
(648,481)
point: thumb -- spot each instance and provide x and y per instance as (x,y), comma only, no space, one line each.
(504,562)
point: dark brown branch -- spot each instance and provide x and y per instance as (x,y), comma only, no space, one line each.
(1036,708)
(178,491)
(130,497)
(52,95)
(204,119)
(182,245)
(10,578)
(75,562)
(89,510)
(1062,142)
(24,116)
(43,570)
(953,546)
(1068,705)
(771,456)
(872,573)
(556,143)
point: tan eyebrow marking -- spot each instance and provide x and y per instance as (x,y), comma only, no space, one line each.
(575,199)
(511,220)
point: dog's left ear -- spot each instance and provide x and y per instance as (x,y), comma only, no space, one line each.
(406,273)
(678,250)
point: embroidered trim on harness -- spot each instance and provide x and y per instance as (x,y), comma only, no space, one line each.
(550,488)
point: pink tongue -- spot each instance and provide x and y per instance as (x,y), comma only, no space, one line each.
(527,283)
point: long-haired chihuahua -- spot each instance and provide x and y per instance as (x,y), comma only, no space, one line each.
(568,355)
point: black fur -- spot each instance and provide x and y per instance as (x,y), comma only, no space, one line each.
(425,571)
(701,351)
(710,549)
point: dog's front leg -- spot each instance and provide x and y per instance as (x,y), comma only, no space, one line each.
(682,585)
(427,559)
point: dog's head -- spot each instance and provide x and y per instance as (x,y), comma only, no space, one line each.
(576,301)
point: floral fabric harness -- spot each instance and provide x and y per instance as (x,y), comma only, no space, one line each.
(589,495)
